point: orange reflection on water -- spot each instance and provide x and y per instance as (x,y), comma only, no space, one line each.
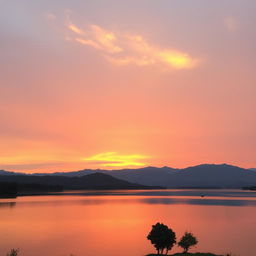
(118,225)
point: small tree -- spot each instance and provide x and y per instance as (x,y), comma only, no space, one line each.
(13,252)
(162,237)
(188,240)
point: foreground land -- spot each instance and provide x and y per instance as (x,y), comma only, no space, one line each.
(189,254)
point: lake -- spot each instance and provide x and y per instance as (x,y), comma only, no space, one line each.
(114,223)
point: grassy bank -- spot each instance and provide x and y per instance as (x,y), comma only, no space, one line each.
(189,254)
(196,254)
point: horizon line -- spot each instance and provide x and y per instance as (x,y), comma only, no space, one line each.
(128,168)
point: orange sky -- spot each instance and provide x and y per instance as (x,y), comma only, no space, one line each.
(114,84)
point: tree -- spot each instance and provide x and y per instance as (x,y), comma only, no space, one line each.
(13,252)
(188,240)
(162,237)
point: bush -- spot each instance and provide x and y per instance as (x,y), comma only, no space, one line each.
(13,252)
(188,240)
(162,237)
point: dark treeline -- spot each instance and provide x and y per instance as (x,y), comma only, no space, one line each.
(90,181)
(8,189)
(13,189)
(249,188)
(38,187)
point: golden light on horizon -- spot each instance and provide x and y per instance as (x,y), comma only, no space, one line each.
(113,159)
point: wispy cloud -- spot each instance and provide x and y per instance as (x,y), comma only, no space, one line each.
(120,48)
(97,38)
(113,159)
(75,29)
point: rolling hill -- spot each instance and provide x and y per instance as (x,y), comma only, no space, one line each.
(200,176)
(90,181)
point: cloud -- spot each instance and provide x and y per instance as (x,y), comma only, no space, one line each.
(231,24)
(95,37)
(75,29)
(113,159)
(121,49)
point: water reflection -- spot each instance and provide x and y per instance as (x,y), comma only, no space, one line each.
(78,221)
(167,192)
(223,202)
(170,197)
(7,204)
(131,200)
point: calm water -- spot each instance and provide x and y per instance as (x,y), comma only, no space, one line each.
(116,223)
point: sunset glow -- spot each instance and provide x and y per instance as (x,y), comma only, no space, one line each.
(75,29)
(127,128)
(113,84)
(124,49)
(112,159)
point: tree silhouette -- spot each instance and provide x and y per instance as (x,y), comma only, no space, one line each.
(162,237)
(188,240)
(13,252)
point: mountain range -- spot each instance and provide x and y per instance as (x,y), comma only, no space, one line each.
(200,176)
(90,181)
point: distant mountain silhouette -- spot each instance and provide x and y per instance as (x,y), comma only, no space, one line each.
(90,181)
(2,172)
(146,175)
(205,175)
(209,175)
(72,174)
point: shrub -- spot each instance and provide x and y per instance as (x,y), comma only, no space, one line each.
(162,237)
(13,252)
(187,241)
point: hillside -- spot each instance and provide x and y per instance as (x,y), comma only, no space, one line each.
(200,176)
(226,176)
(206,175)
(90,181)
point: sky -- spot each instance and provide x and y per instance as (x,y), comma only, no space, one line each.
(126,84)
